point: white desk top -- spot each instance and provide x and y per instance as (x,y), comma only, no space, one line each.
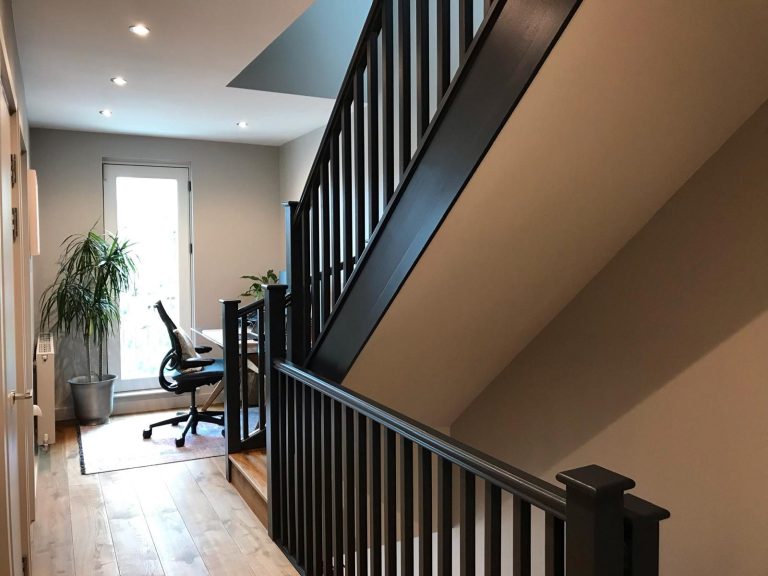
(216,336)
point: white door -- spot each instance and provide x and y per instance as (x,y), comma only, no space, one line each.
(10,521)
(150,207)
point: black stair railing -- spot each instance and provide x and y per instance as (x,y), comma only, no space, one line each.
(349,477)
(377,128)
(244,394)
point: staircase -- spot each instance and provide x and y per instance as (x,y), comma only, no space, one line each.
(353,486)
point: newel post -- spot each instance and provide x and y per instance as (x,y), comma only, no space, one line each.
(231,378)
(294,269)
(594,527)
(274,347)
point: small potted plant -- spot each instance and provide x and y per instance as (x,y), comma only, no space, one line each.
(255,288)
(84,300)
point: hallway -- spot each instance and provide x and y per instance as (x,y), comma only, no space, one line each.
(175,519)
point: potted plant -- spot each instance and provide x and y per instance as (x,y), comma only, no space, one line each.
(84,300)
(255,288)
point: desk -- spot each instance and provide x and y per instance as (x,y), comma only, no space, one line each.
(216,336)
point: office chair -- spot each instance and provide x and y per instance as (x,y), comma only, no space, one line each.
(186,379)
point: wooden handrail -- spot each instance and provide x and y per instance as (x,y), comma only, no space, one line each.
(515,481)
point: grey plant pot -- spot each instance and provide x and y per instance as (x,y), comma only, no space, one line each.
(93,400)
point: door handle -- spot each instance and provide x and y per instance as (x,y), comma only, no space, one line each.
(25,396)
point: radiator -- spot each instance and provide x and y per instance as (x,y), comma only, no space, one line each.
(45,391)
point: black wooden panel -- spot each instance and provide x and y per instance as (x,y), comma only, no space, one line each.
(375,496)
(492,556)
(521,534)
(406,507)
(425,512)
(390,504)
(444,517)
(467,523)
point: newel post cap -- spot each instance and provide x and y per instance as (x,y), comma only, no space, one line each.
(595,481)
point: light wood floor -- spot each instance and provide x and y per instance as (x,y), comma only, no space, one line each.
(173,519)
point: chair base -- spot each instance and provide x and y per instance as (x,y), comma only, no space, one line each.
(192,418)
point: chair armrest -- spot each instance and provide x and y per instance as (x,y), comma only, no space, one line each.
(203,349)
(199,363)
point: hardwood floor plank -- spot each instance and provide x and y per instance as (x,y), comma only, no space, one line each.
(217,548)
(134,547)
(240,522)
(52,550)
(173,542)
(91,537)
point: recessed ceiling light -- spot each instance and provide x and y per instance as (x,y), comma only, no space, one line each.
(107,113)
(242,124)
(139,29)
(119,81)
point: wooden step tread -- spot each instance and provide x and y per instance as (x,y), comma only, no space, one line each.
(249,476)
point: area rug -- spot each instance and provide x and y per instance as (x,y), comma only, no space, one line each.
(118,444)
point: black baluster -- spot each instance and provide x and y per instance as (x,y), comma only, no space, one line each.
(361,496)
(328,488)
(390,504)
(346,167)
(521,535)
(422,67)
(231,378)
(338,494)
(641,531)
(306,278)
(554,546)
(375,496)
(260,360)
(299,471)
(406,507)
(316,283)
(492,530)
(288,410)
(443,48)
(466,29)
(425,512)
(243,359)
(359,156)
(467,526)
(387,99)
(336,220)
(404,65)
(373,133)
(317,483)
(327,238)
(350,488)
(444,517)
(309,493)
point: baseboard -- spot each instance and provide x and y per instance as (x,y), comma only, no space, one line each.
(141,401)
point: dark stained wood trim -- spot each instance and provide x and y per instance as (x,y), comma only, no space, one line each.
(500,65)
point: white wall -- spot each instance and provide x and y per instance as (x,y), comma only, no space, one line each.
(237,218)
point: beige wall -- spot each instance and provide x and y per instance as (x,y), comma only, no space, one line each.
(236,215)
(658,369)
(295,160)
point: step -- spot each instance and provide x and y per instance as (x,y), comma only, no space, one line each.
(249,477)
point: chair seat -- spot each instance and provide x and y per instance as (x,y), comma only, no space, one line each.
(188,381)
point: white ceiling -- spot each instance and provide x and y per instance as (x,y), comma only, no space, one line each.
(177,76)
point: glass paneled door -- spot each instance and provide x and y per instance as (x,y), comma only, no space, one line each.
(150,207)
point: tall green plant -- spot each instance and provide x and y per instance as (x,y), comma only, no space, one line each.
(84,297)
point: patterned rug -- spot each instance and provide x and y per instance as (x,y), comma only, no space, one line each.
(118,444)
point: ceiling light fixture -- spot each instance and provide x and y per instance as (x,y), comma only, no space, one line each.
(107,113)
(242,124)
(119,81)
(139,29)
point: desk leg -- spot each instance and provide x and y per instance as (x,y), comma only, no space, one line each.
(212,398)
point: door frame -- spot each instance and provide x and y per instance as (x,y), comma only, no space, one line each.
(186,260)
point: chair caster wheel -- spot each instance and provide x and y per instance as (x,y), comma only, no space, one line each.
(179,442)
(147,433)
